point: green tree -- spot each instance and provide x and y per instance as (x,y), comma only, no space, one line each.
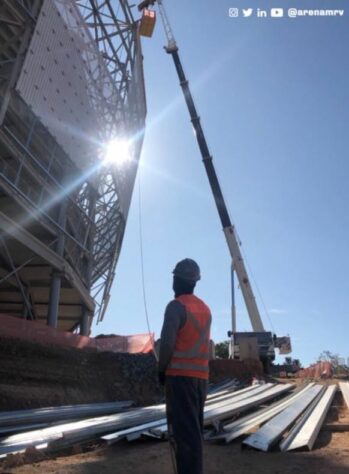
(222,350)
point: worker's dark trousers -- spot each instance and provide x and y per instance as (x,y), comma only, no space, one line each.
(185,399)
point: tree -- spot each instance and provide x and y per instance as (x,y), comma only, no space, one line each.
(222,350)
(337,362)
(328,356)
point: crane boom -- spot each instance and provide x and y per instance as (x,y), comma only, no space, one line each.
(228,228)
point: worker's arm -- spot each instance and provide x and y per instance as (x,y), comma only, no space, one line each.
(174,319)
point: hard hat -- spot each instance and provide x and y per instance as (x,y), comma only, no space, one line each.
(187,270)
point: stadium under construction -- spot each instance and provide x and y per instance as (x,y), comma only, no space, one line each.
(71,83)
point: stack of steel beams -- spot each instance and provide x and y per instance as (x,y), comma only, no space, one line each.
(273,430)
(305,432)
(299,415)
(221,407)
(233,430)
(56,428)
(78,431)
(303,413)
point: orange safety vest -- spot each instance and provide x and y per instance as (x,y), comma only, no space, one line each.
(191,354)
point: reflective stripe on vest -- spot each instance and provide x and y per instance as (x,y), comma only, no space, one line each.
(194,352)
(192,340)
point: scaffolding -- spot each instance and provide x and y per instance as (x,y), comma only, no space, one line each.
(71,80)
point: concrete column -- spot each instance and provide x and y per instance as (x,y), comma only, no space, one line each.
(55,289)
(85,323)
(86,319)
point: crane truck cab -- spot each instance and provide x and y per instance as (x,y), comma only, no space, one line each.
(258,345)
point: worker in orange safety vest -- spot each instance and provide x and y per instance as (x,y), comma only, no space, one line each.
(183,367)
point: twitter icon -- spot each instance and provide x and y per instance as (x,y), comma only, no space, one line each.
(247,12)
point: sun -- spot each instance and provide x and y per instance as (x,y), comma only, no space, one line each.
(118,152)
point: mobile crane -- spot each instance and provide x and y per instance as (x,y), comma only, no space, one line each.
(265,341)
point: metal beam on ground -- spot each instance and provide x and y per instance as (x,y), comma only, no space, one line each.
(77,431)
(6,430)
(153,419)
(117,436)
(307,430)
(40,415)
(225,385)
(238,395)
(227,410)
(214,410)
(243,425)
(226,391)
(159,427)
(272,431)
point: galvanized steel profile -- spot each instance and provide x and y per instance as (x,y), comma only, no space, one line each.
(272,431)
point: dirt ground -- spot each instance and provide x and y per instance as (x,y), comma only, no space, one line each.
(331,456)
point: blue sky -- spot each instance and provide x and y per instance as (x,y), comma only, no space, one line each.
(273,98)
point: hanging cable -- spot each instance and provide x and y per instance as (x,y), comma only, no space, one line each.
(255,283)
(142,261)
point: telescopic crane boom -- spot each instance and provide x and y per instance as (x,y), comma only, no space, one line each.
(238,264)
(228,228)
